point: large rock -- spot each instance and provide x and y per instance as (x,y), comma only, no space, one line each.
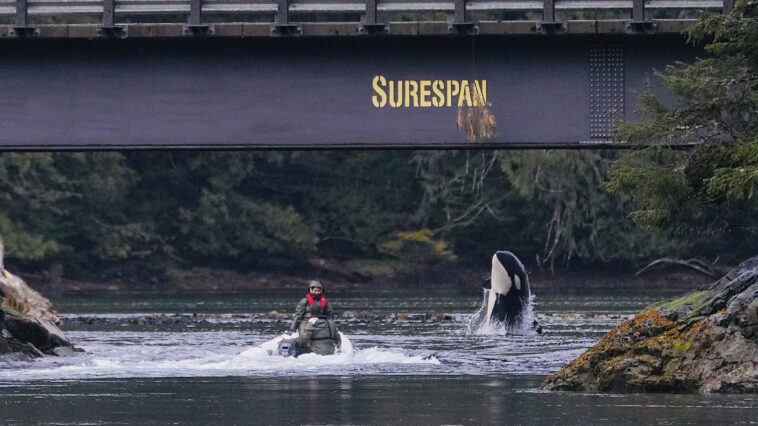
(28,322)
(705,341)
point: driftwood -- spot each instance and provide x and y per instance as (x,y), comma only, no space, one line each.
(17,295)
(699,265)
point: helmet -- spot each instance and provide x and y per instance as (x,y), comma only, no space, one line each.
(314,283)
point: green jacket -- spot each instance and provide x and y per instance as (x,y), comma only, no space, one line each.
(302,312)
(320,337)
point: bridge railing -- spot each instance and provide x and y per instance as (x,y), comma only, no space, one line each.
(23,13)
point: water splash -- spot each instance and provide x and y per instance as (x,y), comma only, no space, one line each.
(173,361)
(347,355)
(523,325)
(478,320)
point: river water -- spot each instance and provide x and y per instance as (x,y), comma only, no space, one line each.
(200,358)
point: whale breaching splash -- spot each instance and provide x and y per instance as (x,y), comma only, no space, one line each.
(507,304)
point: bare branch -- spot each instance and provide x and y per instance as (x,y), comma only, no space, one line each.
(696,264)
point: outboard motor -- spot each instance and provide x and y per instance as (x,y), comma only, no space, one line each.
(286,348)
(536,327)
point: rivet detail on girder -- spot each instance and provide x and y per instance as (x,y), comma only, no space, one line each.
(606,89)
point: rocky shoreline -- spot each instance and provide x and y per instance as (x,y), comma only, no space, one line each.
(705,341)
(28,323)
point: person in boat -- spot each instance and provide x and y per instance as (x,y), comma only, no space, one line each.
(315,296)
(318,334)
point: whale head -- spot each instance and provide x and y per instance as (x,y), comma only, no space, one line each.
(509,289)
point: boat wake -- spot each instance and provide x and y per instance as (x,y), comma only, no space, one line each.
(133,361)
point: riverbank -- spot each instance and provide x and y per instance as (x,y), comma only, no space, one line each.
(376,277)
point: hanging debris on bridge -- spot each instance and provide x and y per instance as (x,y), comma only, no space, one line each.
(477,122)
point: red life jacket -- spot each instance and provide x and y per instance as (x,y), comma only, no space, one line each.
(311,301)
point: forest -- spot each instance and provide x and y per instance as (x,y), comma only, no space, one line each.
(270,210)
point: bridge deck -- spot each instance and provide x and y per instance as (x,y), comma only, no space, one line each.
(263,18)
(330,73)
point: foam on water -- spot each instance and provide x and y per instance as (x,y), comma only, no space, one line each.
(459,344)
(479,325)
(346,356)
(170,360)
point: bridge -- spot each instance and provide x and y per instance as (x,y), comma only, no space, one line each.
(159,74)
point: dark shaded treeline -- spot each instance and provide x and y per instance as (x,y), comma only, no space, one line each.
(274,210)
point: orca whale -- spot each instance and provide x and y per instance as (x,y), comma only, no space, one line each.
(509,292)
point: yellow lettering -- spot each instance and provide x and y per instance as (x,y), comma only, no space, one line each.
(411,92)
(427,93)
(465,94)
(380,99)
(484,91)
(424,93)
(396,93)
(480,92)
(453,87)
(439,98)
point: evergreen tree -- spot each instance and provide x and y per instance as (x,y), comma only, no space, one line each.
(575,216)
(707,193)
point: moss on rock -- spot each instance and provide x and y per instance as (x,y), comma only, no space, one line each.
(703,341)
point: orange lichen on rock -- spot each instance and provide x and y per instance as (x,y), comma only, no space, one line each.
(621,351)
(697,342)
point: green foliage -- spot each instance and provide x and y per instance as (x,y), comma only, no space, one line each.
(738,182)
(705,194)
(30,190)
(95,215)
(653,177)
(227,224)
(208,213)
(584,221)
(259,209)
(25,245)
(205,208)
(419,245)
(468,202)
